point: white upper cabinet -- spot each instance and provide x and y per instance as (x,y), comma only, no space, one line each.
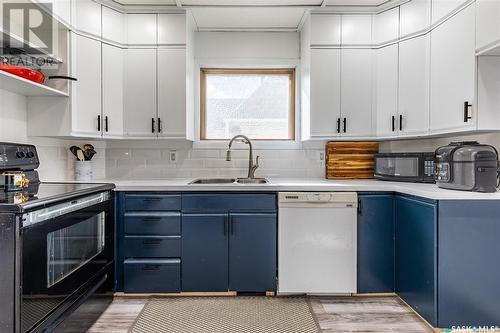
(356,29)
(442,8)
(414,73)
(356,92)
(86,16)
(141,29)
(453,73)
(325,29)
(415,16)
(86,92)
(171,93)
(112,91)
(113,25)
(140,93)
(386,90)
(487,23)
(325,93)
(171,29)
(61,9)
(386,26)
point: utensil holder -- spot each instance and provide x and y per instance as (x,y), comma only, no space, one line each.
(83,171)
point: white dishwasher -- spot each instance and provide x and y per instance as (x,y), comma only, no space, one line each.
(317,242)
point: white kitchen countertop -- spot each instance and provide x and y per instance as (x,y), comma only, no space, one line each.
(430,191)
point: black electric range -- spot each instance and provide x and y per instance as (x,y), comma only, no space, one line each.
(56,247)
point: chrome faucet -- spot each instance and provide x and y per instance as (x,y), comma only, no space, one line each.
(251,166)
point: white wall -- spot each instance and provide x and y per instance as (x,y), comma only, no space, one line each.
(56,162)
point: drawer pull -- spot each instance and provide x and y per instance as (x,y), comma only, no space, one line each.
(150,268)
(152,199)
(151,219)
(151,241)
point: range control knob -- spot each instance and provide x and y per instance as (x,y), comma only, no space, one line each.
(30,154)
(20,154)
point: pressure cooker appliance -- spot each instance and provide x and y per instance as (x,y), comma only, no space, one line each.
(405,167)
(56,249)
(467,166)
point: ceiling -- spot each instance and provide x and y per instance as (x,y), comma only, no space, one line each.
(276,15)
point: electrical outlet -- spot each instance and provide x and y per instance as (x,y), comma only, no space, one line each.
(173,156)
(321,158)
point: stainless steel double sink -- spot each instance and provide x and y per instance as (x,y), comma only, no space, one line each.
(208,181)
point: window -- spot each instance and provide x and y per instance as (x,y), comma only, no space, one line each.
(259,103)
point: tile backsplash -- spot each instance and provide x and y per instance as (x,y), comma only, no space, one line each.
(151,163)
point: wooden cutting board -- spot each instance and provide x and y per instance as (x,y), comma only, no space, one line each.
(350,160)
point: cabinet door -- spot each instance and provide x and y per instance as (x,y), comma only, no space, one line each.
(452,72)
(141,29)
(112,91)
(325,29)
(356,30)
(487,22)
(386,87)
(325,92)
(86,92)
(416,255)
(171,28)
(172,93)
(140,93)
(252,252)
(205,252)
(61,9)
(443,8)
(356,94)
(376,243)
(414,73)
(415,16)
(86,16)
(386,26)
(113,25)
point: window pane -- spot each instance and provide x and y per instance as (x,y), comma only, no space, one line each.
(253,104)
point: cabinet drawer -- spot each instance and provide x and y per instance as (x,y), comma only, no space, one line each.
(152,247)
(152,202)
(152,276)
(160,224)
(224,202)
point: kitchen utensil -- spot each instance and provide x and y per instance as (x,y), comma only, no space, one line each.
(88,146)
(88,151)
(74,150)
(350,160)
(467,166)
(31,74)
(80,155)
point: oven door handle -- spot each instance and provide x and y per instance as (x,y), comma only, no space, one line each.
(44,214)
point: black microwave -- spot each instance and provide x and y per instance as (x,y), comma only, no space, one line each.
(405,167)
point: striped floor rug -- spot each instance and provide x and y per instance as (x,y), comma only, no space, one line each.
(226,315)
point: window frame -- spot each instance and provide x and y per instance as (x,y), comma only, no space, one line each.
(290,72)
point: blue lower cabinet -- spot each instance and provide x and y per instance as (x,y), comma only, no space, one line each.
(416,254)
(146,275)
(152,246)
(375,243)
(205,252)
(252,252)
(469,263)
(152,223)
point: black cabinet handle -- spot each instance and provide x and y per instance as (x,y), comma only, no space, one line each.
(400,122)
(225,225)
(150,267)
(393,123)
(159,125)
(106,123)
(360,211)
(151,241)
(338,125)
(231,224)
(345,125)
(64,77)
(152,199)
(99,123)
(467,105)
(152,125)
(151,219)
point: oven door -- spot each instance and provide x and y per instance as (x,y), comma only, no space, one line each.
(403,168)
(63,247)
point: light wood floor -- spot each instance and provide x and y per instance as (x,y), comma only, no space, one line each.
(334,315)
